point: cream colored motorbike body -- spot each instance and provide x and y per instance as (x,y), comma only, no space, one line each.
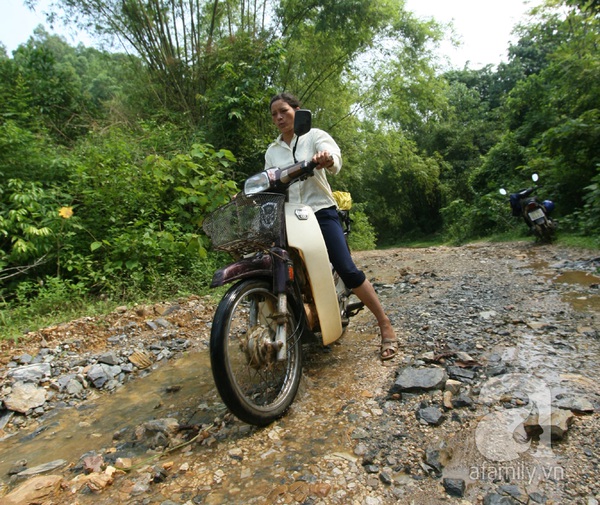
(304,234)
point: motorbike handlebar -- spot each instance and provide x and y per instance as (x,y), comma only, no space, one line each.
(279,179)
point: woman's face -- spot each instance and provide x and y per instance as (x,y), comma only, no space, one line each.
(283,116)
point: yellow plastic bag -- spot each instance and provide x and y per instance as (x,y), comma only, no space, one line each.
(343,200)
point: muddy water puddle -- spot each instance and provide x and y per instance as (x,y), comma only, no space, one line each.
(552,355)
(184,390)
(582,291)
(183,386)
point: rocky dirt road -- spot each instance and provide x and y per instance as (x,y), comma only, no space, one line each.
(493,399)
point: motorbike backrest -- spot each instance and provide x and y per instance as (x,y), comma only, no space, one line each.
(302,122)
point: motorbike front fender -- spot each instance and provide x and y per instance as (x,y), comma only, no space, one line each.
(256,266)
(304,235)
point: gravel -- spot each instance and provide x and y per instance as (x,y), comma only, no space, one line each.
(496,339)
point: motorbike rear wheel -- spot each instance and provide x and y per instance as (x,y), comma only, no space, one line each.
(545,231)
(255,386)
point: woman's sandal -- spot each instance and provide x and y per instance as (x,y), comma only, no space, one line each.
(389,349)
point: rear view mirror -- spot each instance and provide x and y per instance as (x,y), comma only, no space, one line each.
(302,122)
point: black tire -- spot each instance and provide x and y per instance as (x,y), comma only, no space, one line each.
(256,387)
(545,232)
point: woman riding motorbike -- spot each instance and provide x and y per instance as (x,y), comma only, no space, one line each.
(315,192)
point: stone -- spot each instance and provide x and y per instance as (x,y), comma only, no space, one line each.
(157,432)
(96,482)
(431,415)
(461,374)
(454,487)
(496,499)
(419,379)
(31,373)
(24,359)
(536,497)
(576,404)
(35,490)
(101,374)
(447,400)
(108,358)
(463,400)
(25,396)
(453,386)
(558,424)
(141,359)
(74,387)
(46,467)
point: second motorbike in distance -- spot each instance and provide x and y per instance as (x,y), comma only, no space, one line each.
(536,214)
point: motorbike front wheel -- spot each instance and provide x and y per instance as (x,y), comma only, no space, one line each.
(256,387)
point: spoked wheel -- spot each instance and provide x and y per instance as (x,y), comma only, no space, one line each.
(254,385)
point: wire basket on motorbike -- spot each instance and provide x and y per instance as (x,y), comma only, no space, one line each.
(246,224)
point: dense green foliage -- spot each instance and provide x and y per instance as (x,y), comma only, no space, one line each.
(110,161)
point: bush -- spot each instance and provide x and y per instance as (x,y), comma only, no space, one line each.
(464,222)
(362,236)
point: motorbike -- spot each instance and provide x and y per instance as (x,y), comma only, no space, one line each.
(536,214)
(284,292)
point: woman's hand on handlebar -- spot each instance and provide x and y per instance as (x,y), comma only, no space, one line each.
(323,159)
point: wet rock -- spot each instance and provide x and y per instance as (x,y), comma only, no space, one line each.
(25,396)
(419,379)
(46,467)
(35,490)
(93,463)
(5,417)
(18,467)
(158,432)
(433,459)
(141,484)
(159,474)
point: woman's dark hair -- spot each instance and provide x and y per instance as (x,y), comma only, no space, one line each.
(288,98)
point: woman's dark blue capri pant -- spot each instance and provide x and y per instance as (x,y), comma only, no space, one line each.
(339,254)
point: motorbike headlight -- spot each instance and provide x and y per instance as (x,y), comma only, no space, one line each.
(256,184)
